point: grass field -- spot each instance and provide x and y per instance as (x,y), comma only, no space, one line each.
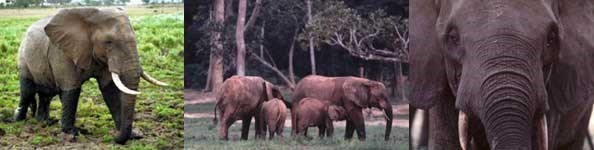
(159,109)
(201,133)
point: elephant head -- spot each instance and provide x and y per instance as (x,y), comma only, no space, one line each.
(495,57)
(93,37)
(366,93)
(336,113)
(272,91)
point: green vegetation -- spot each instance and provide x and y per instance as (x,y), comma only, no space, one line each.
(159,109)
(203,134)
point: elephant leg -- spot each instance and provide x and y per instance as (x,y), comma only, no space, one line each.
(350,129)
(245,127)
(321,131)
(69,101)
(111,96)
(359,123)
(260,126)
(271,130)
(329,128)
(224,125)
(43,108)
(27,93)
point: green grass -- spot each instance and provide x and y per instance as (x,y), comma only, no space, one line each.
(159,109)
(203,134)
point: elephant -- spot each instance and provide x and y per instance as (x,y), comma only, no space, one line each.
(352,93)
(313,112)
(503,74)
(241,98)
(59,53)
(274,113)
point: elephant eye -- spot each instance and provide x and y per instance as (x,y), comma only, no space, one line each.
(109,42)
(552,39)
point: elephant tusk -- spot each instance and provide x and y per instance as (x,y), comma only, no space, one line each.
(463,129)
(542,128)
(152,80)
(116,79)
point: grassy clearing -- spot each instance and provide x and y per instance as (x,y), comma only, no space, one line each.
(203,134)
(159,109)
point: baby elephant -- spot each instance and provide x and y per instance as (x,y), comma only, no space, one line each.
(274,113)
(317,113)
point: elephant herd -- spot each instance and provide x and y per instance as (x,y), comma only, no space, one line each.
(317,101)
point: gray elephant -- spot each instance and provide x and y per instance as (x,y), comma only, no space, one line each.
(60,53)
(503,74)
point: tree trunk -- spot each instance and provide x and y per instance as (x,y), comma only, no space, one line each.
(216,58)
(262,40)
(254,16)
(229,9)
(291,51)
(312,55)
(402,82)
(240,60)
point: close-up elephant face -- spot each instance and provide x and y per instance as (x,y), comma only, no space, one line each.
(497,55)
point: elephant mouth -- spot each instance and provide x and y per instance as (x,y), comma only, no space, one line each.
(464,137)
(122,87)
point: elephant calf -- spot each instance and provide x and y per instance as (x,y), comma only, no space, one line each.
(314,112)
(274,113)
(241,98)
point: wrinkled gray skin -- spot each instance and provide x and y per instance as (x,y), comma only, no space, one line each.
(503,63)
(59,53)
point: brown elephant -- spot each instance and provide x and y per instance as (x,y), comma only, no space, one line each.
(274,113)
(61,52)
(241,98)
(313,112)
(352,93)
(503,74)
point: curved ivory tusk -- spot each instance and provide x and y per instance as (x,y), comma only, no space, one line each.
(152,80)
(463,129)
(116,79)
(542,128)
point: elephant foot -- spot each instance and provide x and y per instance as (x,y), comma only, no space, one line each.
(20,114)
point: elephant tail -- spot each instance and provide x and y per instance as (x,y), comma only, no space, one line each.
(215,120)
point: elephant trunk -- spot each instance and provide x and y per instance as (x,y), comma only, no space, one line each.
(508,112)
(388,114)
(127,106)
(126,73)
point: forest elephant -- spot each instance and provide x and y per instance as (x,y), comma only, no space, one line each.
(352,93)
(313,112)
(503,74)
(274,113)
(59,53)
(241,98)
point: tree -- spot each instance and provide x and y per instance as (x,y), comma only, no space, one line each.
(146,1)
(312,54)
(239,28)
(216,54)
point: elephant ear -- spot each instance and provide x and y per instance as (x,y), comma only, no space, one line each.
(336,112)
(428,76)
(70,31)
(357,91)
(571,80)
